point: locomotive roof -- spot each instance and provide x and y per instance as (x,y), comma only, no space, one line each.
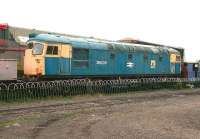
(90,43)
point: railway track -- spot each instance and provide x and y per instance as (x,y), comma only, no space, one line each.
(102,102)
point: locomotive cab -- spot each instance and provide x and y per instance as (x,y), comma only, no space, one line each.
(34,59)
(47,59)
(175,63)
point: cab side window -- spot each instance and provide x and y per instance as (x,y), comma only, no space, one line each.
(52,50)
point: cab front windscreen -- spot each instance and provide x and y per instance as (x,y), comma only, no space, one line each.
(37,49)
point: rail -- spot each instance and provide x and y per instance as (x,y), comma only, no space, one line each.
(24,91)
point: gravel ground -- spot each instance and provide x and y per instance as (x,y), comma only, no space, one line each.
(145,115)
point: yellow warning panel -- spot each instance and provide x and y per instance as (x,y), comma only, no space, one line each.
(173,58)
(33,65)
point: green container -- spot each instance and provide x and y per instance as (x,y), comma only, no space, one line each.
(4,34)
(1,34)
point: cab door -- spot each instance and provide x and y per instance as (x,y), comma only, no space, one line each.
(173,68)
(173,63)
(112,63)
(65,59)
(52,60)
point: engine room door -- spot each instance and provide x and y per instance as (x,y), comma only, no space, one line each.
(112,64)
(65,59)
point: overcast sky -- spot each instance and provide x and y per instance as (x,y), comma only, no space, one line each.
(170,22)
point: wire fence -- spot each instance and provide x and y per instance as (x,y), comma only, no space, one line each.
(42,89)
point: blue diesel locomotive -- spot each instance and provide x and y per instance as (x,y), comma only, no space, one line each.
(73,57)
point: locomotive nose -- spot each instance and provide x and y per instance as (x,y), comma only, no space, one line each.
(33,65)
